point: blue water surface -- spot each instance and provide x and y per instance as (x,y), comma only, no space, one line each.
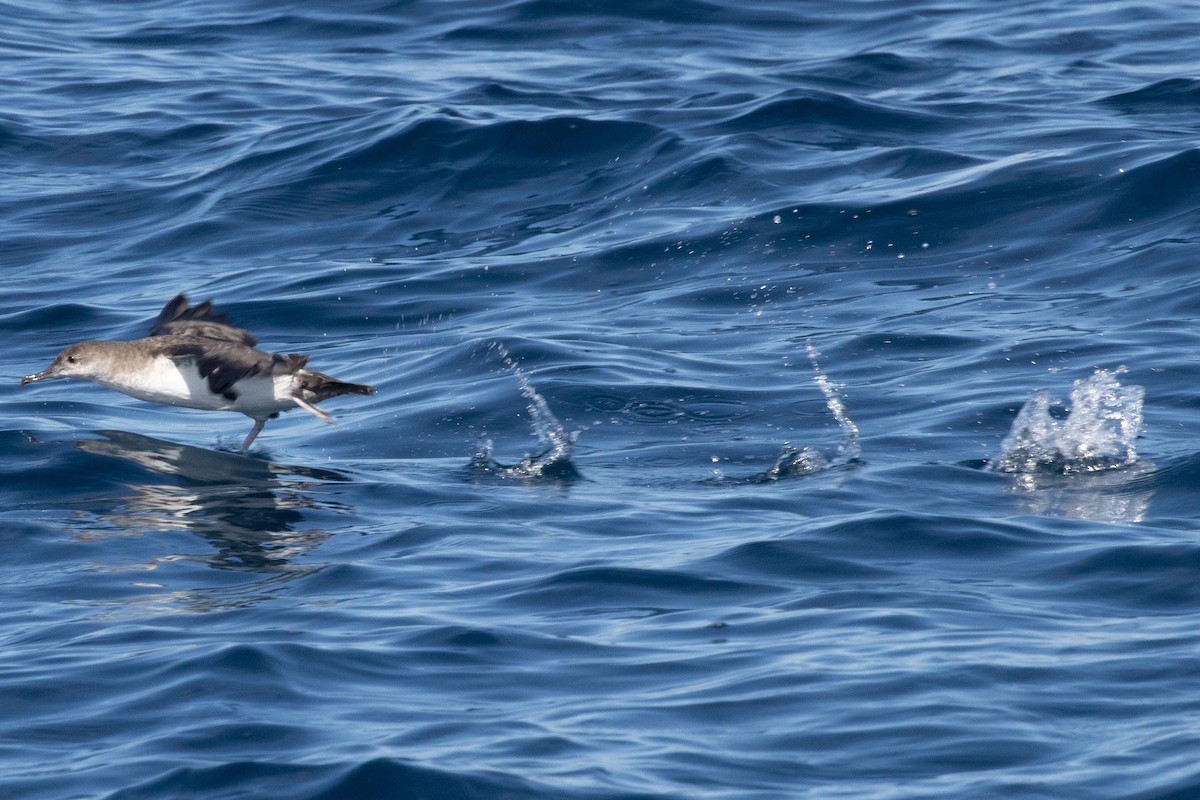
(603,532)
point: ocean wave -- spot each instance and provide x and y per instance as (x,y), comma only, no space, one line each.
(604,237)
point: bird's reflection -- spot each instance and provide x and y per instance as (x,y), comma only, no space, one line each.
(250,510)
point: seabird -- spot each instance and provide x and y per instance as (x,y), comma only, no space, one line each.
(195,358)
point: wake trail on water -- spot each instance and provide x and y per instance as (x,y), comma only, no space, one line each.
(555,458)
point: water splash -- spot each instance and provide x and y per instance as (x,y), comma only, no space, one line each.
(794,461)
(805,460)
(848,449)
(554,460)
(1098,432)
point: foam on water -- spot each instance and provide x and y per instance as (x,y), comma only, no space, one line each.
(1099,431)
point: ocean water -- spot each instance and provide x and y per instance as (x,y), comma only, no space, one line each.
(775,400)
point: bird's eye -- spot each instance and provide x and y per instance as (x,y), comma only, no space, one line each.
(70,359)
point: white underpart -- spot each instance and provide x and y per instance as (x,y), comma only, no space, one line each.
(168,383)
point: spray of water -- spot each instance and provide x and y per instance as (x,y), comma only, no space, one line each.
(805,460)
(849,449)
(1099,431)
(554,458)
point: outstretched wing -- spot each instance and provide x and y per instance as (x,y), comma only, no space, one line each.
(179,319)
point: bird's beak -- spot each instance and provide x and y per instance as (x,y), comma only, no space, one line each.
(44,375)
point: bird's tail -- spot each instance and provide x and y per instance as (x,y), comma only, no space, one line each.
(315,387)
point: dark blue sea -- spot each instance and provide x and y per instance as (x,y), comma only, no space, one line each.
(775,400)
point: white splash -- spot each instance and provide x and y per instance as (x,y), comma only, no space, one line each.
(849,449)
(1099,432)
(805,460)
(553,460)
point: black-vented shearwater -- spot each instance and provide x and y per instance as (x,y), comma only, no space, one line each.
(195,358)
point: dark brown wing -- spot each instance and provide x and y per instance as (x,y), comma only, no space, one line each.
(223,363)
(202,321)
